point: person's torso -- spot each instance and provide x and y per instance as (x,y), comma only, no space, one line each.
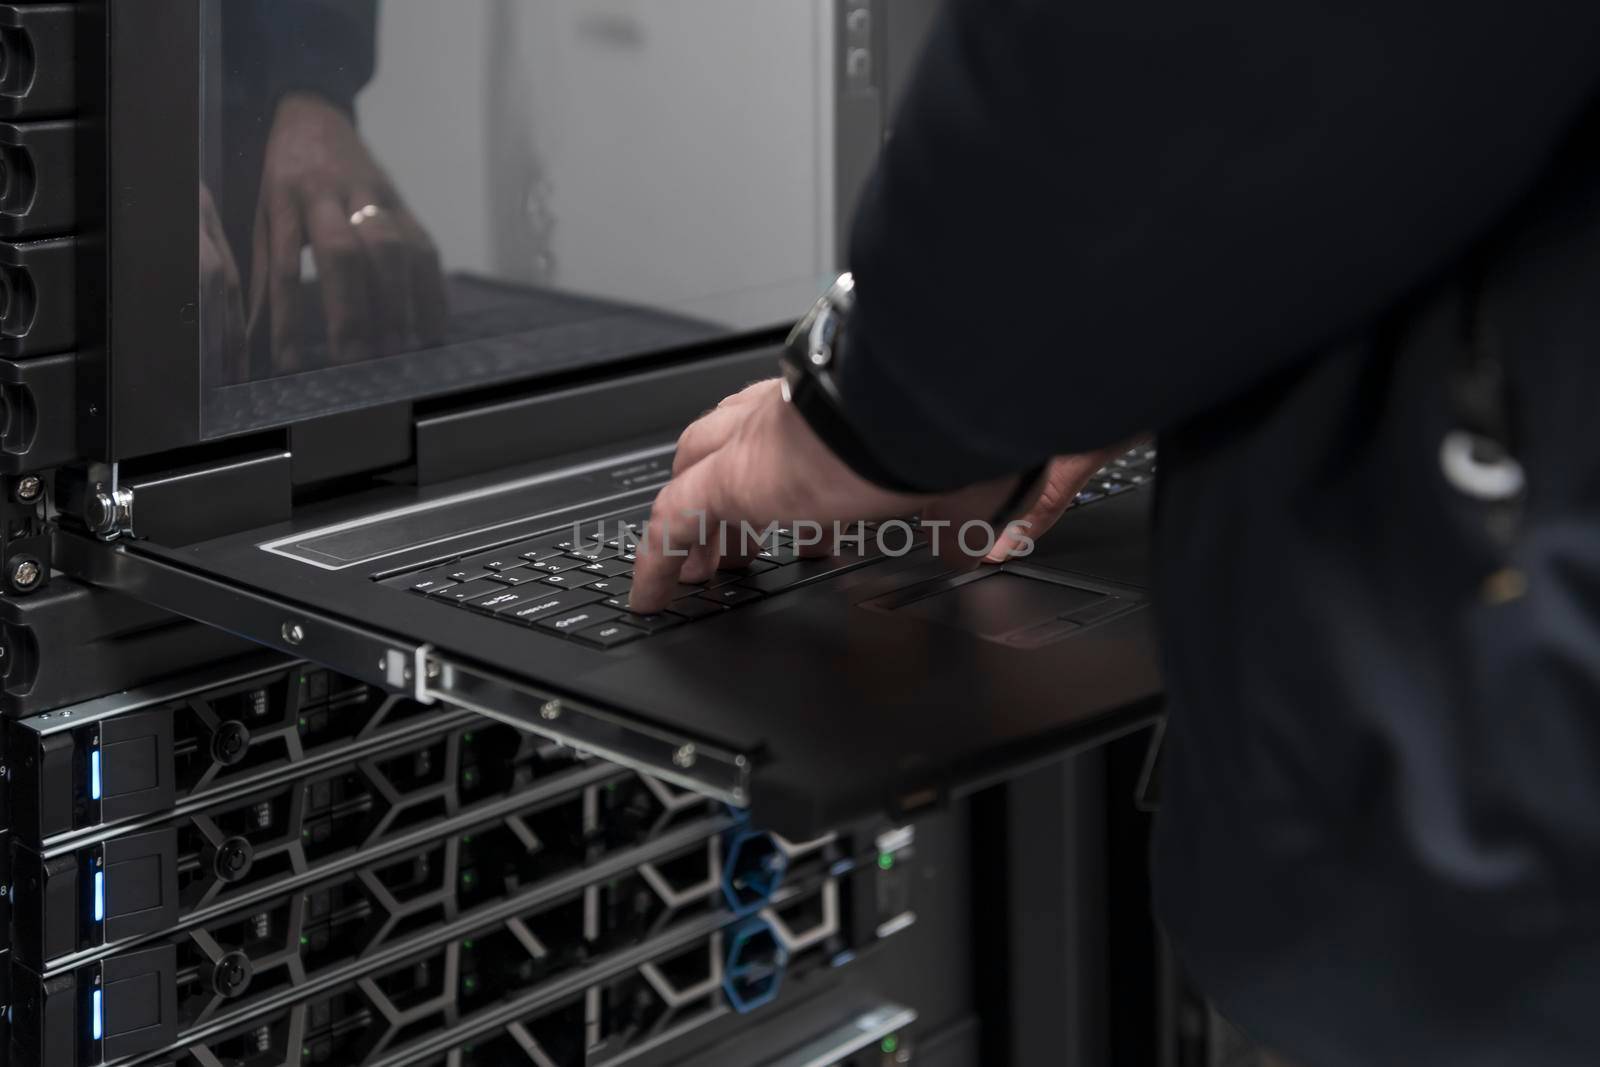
(1380,840)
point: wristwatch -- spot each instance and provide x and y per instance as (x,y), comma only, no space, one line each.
(810,364)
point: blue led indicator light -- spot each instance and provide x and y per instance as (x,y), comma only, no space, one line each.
(99,896)
(94,774)
(98,1025)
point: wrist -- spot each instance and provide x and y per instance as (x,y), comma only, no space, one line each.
(812,390)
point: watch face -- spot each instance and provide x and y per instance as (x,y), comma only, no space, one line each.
(823,333)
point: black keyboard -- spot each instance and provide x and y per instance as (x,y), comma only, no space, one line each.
(575,583)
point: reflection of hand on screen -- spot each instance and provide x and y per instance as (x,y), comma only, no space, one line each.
(378,270)
(222,296)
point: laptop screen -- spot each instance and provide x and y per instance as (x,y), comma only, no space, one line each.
(404,198)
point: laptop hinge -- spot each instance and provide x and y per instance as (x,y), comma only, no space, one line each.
(473,439)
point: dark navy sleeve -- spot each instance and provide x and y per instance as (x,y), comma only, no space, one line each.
(1096,219)
(327,47)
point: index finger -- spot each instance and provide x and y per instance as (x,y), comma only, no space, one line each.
(684,516)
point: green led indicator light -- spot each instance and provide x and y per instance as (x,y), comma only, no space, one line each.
(467,737)
(304,940)
(890,1043)
(885,860)
(467,944)
(302,724)
(469,984)
(469,879)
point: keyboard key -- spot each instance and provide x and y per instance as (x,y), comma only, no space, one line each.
(780,555)
(609,568)
(516,576)
(557,564)
(469,590)
(611,586)
(503,600)
(755,566)
(694,608)
(492,561)
(721,578)
(568,544)
(568,622)
(592,553)
(570,580)
(802,570)
(650,624)
(533,608)
(609,634)
(731,596)
(535,554)
(432,581)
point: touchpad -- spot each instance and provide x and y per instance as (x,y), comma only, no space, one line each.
(1008,608)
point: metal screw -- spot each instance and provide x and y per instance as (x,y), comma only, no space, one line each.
(294,633)
(26,574)
(551,710)
(684,757)
(29,488)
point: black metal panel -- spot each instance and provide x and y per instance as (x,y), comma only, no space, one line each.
(44,1025)
(38,296)
(38,400)
(69,643)
(41,794)
(47,898)
(141,884)
(38,178)
(355,442)
(136,765)
(472,440)
(39,76)
(140,1001)
(240,494)
(154,146)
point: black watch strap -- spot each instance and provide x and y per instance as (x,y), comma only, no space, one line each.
(811,386)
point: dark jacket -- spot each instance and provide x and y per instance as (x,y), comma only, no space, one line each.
(1247,226)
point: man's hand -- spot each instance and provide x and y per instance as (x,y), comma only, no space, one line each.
(754,460)
(1062,480)
(382,287)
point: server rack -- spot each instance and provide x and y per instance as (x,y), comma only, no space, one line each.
(264,862)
